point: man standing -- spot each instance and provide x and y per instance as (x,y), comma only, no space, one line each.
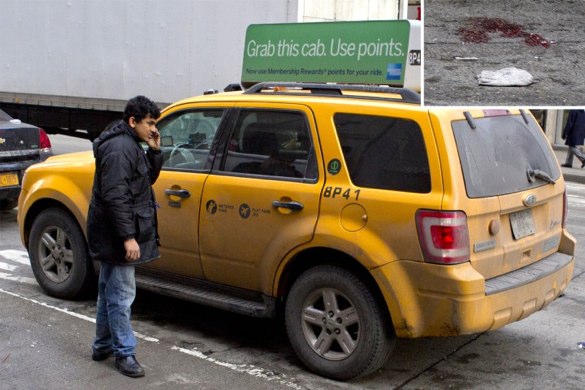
(574,133)
(121,225)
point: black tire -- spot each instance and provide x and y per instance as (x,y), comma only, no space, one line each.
(317,335)
(59,257)
(8,204)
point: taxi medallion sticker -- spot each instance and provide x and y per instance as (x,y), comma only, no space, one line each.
(334,167)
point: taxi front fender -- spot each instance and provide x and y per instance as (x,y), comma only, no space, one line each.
(52,189)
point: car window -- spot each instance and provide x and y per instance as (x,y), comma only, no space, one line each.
(186,138)
(271,143)
(497,154)
(384,152)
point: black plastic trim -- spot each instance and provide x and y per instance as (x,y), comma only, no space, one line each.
(207,293)
(528,274)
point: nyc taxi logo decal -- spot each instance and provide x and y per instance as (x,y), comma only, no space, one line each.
(211,207)
(244,211)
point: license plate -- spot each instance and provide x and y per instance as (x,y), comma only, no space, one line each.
(522,224)
(8,179)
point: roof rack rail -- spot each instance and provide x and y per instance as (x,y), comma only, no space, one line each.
(406,95)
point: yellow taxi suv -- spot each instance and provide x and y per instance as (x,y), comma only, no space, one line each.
(354,212)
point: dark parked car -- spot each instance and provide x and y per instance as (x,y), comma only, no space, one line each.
(21,145)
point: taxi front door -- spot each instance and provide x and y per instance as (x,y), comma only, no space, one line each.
(187,133)
(253,213)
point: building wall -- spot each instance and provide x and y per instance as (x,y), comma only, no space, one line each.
(553,124)
(332,10)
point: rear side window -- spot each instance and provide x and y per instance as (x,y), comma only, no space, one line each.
(384,152)
(497,155)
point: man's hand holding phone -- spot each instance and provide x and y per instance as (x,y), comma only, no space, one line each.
(153,140)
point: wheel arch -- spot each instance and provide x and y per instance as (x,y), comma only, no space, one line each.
(39,206)
(316,256)
(80,272)
(42,189)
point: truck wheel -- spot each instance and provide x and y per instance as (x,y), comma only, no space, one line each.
(335,325)
(58,255)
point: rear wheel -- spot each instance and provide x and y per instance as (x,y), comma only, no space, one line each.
(335,324)
(58,255)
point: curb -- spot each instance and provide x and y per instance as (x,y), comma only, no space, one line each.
(576,175)
(574,178)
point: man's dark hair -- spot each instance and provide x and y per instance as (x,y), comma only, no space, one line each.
(140,107)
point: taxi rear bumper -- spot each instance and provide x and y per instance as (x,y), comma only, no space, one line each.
(428,300)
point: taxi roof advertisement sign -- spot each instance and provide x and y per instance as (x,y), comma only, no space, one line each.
(367,52)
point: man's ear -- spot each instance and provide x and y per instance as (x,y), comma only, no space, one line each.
(132,122)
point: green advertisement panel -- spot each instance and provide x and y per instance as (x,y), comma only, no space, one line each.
(368,52)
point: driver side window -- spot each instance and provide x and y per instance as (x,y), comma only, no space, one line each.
(186,138)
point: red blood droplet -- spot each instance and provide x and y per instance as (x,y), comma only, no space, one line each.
(477,30)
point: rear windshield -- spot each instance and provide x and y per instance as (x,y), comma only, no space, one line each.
(499,155)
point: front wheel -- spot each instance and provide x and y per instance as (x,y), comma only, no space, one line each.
(58,255)
(335,324)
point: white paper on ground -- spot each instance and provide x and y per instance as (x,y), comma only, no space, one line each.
(507,77)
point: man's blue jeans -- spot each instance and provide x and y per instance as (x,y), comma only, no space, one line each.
(116,292)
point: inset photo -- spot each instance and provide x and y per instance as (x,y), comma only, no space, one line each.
(513,52)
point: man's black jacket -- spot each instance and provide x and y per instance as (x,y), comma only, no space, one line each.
(122,204)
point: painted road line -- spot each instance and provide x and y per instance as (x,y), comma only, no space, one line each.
(242,368)
(73,314)
(16,256)
(20,279)
(7,267)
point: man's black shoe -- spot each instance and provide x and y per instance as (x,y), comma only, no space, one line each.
(129,366)
(582,164)
(566,166)
(98,356)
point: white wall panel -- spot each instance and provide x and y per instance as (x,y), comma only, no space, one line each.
(115,49)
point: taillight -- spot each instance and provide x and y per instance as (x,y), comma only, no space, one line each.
(44,141)
(443,236)
(565,209)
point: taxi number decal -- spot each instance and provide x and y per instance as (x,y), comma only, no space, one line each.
(414,57)
(332,192)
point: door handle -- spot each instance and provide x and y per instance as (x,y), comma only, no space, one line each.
(184,194)
(296,206)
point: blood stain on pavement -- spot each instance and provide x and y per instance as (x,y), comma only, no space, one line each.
(477,30)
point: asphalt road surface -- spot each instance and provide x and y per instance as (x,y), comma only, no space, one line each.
(453,57)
